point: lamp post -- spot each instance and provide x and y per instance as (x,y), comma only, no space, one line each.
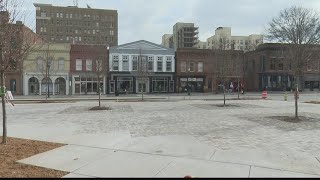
(188,85)
(48,72)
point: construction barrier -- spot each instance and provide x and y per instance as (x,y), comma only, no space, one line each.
(264,94)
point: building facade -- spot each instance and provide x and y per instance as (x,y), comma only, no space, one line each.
(77,25)
(46,70)
(167,40)
(24,39)
(199,70)
(88,69)
(185,35)
(223,37)
(141,66)
(266,69)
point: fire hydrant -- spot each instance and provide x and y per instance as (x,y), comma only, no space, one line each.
(286,96)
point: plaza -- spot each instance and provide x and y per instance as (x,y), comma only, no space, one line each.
(174,137)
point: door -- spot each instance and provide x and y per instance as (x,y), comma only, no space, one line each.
(142,87)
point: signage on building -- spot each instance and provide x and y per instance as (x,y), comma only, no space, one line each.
(191,79)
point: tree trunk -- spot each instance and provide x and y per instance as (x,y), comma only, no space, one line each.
(142,94)
(99,90)
(224,96)
(4,113)
(238,90)
(296,101)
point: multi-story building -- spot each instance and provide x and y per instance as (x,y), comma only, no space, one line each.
(88,68)
(25,39)
(46,70)
(201,45)
(185,35)
(77,25)
(201,69)
(269,67)
(141,66)
(222,39)
(167,40)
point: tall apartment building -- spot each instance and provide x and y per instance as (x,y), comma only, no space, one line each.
(222,39)
(167,40)
(185,35)
(77,25)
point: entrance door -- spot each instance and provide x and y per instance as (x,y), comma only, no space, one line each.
(142,86)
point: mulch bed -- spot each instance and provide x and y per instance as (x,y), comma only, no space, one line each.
(290,119)
(18,149)
(97,108)
(313,102)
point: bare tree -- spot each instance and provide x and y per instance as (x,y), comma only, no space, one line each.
(142,74)
(299,29)
(223,64)
(15,43)
(100,67)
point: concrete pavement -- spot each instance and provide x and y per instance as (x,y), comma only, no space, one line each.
(172,139)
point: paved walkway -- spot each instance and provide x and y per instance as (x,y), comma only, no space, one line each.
(172,139)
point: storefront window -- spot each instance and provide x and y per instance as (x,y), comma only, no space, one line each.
(125,84)
(160,85)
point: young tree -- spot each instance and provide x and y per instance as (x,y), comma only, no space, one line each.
(142,74)
(100,61)
(299,29)
(15,43)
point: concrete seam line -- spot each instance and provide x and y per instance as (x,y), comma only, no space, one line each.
(279,169)
(317,159)
(213,154)
(163,168)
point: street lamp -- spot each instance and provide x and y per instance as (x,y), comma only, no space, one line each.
(48,69)
(188,85)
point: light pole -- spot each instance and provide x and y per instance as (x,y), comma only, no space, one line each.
(188,85)
(48,72)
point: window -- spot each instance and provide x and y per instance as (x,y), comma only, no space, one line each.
(61,64)
(191,67)
(40,64)
(134,63)
(159,66)
(44,29)
(97,24)
(89,65)
(43,14)
(273,64)
(79,38)
(183,66)
(93,31)
(57,15)
(125,63)
(200,66)
(78,64)
(168,66)
(67,16)
(61,15)
(160,58)
(115,63)
(111,32)
(41,29)
(70,16)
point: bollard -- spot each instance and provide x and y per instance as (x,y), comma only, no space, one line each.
(286,96)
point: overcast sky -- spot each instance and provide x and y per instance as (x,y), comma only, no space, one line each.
(150,19)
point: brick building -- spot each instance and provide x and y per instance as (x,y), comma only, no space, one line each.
(266,68)
(79,25)
(200,69)
(88,67)
(25,38)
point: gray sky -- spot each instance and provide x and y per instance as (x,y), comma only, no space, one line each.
(150,19)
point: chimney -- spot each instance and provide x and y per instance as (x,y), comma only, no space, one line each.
(4,17)
(19,22)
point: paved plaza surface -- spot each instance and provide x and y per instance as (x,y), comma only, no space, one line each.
(174,138)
